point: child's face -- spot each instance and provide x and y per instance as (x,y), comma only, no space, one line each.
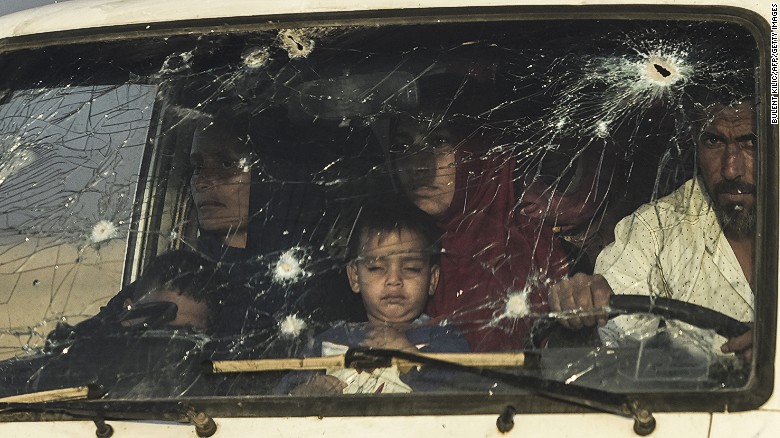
(190,313)
(394,276)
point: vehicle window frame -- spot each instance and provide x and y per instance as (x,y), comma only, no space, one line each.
(154,165)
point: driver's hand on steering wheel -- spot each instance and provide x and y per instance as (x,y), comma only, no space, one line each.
(742,346)
(581,292)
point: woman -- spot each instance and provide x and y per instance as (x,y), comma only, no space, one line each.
(495,262)
(259,217)
(262,216)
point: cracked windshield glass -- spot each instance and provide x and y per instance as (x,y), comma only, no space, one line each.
(333,210)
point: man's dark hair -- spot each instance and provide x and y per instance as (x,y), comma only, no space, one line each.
(701,113)
(730,80)
(392,213)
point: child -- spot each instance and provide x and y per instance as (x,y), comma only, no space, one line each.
(180,277)
(184,280)
(394,252)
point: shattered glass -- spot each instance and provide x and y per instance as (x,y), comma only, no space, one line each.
(173,201)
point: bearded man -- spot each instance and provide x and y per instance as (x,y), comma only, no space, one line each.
(694,245)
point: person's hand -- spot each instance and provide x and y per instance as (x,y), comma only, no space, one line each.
(742,346)
(587,293)
(387,337)
(320,384)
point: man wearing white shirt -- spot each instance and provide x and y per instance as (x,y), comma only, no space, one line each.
(695,245)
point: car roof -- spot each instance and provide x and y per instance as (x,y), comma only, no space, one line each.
(88,14)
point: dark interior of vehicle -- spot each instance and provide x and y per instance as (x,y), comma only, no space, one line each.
(313,117)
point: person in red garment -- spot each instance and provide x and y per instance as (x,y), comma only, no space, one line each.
(496,262)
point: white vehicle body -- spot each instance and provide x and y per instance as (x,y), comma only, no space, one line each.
(76,19)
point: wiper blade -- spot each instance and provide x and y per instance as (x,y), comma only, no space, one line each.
(605,401)
(75,393)
(480,364)
(354,360)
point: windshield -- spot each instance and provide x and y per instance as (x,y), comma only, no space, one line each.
(573,201)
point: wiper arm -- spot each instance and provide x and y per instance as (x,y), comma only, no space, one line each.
(346,361)
(605,401)
(472,363)
(75,393)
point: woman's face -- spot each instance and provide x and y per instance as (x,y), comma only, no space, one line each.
(426,166)
(220,184)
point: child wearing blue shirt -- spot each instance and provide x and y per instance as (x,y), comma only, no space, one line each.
(394,252)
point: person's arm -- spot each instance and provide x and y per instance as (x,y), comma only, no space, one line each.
(95,324)
(316,382)
(742,346)
(587,293)
(319,384)
(625,266)
(387,337)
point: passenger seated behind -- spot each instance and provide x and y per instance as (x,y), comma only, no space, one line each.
(183,278)
(394,252)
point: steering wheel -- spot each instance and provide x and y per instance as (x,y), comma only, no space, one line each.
(667,308)
(658,363)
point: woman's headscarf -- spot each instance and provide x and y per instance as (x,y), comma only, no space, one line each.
(496,263)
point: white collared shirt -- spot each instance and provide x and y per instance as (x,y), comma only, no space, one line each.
(675,248)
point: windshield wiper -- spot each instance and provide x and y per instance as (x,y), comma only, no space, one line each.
(370,358)
(605,401)
(52,395)
(345,361)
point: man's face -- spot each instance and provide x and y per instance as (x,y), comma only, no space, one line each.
(726,157)
(427,164)
(220,181)
(394,276)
